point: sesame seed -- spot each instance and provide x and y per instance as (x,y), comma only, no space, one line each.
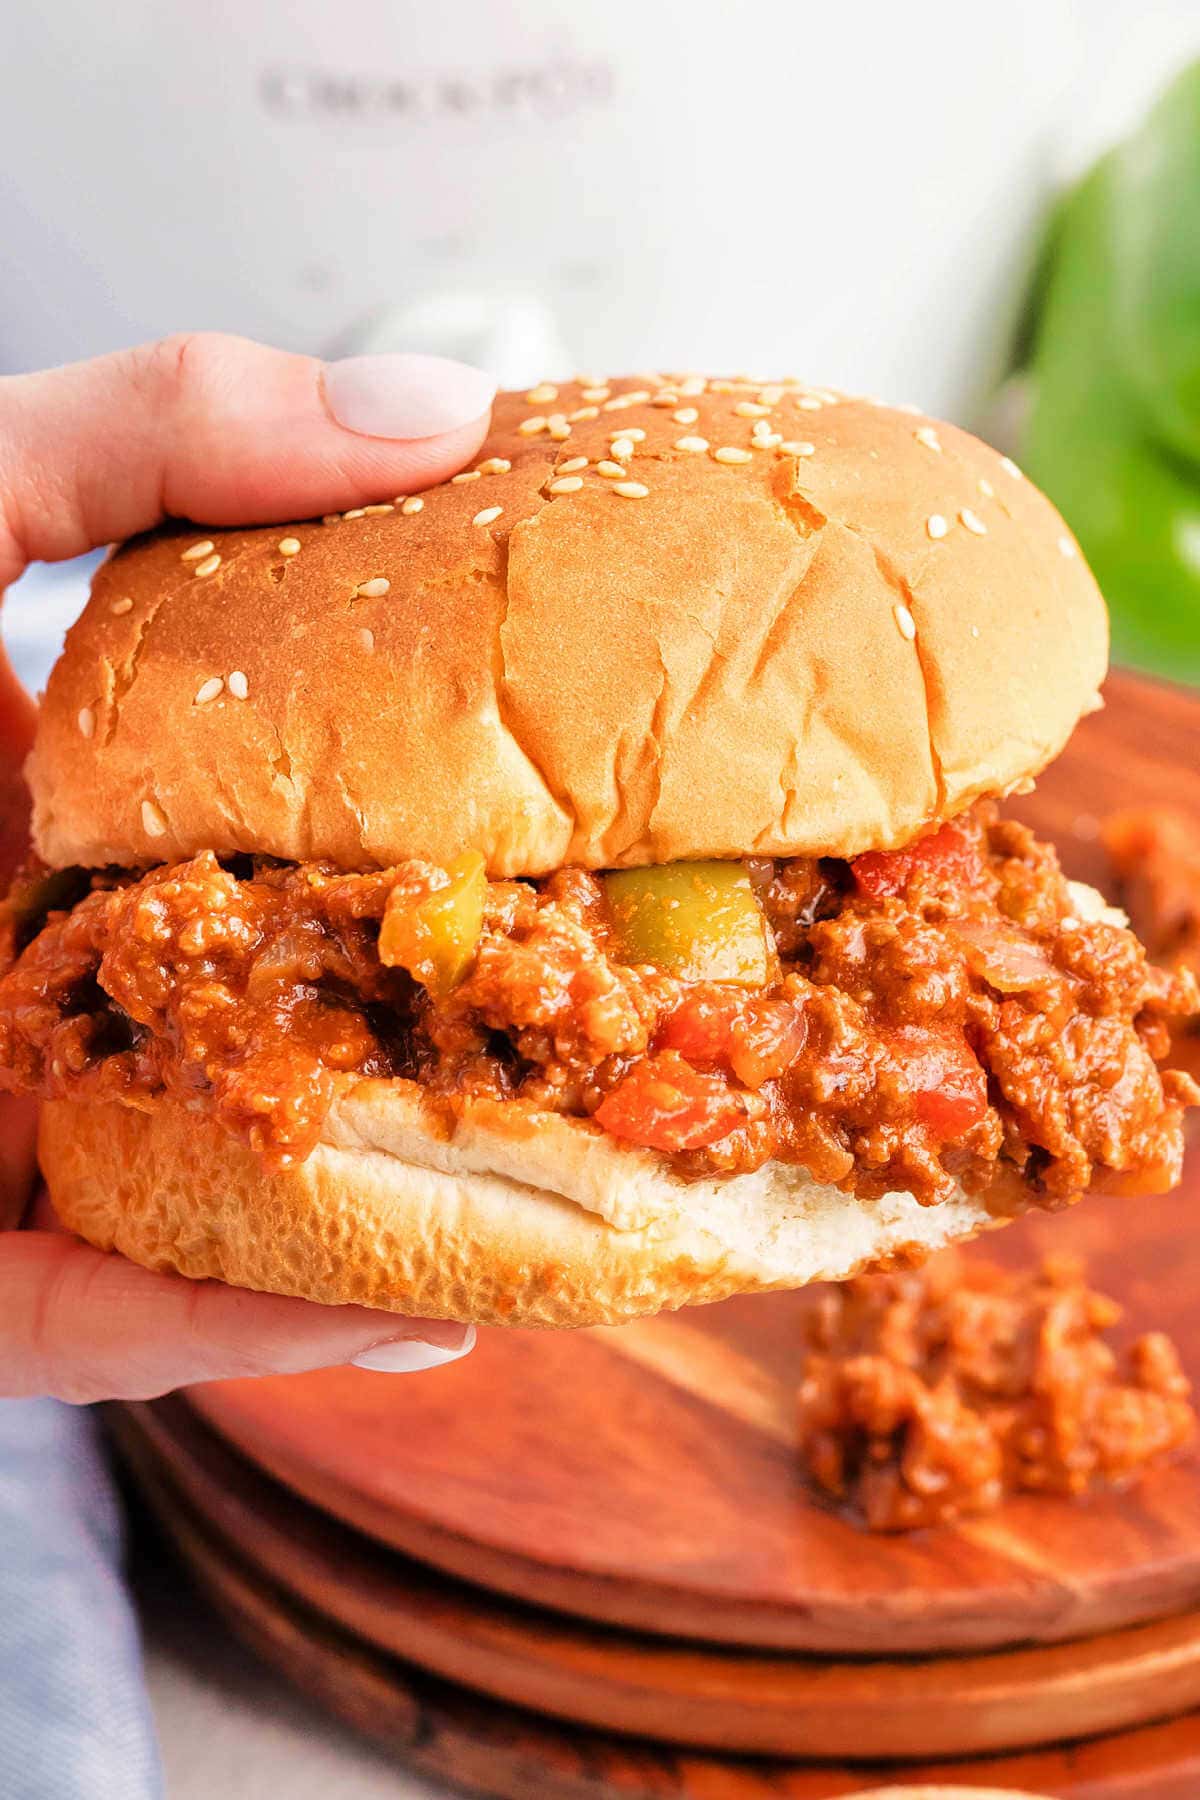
(366,637)
(413,504)
(985,487)
(464,476)
(809,403)
(730,453)
(487,516)
(122,606)
(770,396)
(331,518)
(595,393)
(583,412)
(288,546)
(634,433)
(373,589)
(691,443)
(766,440)
(796,447)
(637,397)
(209,690)
(209,566)
(751,409)
(356,512)
(827,396)
(559,429)
(687,415)
(1010,468)
(194,552)
(906,622)
(621,448)
(611,471)
(936,526)
(86,721)
(531,427)
(1067,547)
(539,395)
(380,506)
(566,484)
(590,381)
(665,397)
(631,490)
(693,386)
(495,465)
(974,631)
(972,521)
(572,465)
(237,684)
(153,822)
(925,434)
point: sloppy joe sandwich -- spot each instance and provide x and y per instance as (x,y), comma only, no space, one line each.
(584,887)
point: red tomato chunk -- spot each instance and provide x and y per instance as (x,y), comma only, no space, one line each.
(665,1104)
(947,855)
(949,1087)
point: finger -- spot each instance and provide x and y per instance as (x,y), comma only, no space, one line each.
(17,713)
(223,431)
(84,1326)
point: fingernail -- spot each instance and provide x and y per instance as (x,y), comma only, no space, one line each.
(408,1356)
(402,396)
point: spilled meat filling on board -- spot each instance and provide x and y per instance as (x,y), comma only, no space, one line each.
(932,1394)
(910,1020)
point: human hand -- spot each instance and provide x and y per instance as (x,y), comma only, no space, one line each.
(224,432)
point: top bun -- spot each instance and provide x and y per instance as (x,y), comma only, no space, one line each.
(813,645)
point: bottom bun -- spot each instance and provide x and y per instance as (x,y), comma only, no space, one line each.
(497,1215)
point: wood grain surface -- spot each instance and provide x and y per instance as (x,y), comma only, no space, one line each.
(715,1698)
(482,1747)
(646,1476)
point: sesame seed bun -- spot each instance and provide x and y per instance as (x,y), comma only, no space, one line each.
(651,624)
(764,620)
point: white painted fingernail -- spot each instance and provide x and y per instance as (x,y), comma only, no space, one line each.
(408,1356)
(402,396)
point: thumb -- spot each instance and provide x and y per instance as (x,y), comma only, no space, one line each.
(223,431)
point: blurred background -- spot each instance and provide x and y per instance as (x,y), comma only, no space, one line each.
(976,210)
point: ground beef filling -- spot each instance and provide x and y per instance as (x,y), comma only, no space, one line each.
(1155,853)
(932,1395)
(932,1016)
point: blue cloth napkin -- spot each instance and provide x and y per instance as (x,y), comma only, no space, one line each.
(74,1717)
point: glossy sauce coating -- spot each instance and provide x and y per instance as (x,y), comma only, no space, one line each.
(931,1016)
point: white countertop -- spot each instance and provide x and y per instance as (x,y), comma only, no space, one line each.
(232,1729)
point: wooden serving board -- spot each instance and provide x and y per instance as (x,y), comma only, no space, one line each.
(713,1698)
(483,1747)
(647,1476)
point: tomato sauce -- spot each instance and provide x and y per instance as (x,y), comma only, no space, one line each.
(931,1017)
